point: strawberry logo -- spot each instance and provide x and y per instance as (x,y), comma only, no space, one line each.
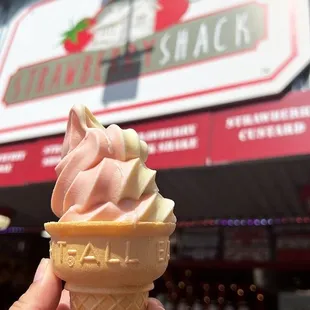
(170,13)
(76,39)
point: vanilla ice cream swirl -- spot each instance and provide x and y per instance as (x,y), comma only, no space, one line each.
(102,175)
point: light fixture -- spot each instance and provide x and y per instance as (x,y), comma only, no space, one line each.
(244,222)
(45,234)
(5,222)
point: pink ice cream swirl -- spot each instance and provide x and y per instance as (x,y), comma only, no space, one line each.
(102,175)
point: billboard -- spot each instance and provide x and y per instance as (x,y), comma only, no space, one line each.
(130,60)
(173,143)
(270,129)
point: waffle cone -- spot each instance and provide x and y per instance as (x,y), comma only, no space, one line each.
(109,265)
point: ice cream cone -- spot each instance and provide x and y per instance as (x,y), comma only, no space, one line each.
(109,265)
(112,238)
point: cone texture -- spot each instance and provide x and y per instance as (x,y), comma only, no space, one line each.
(80,301)
(107,265)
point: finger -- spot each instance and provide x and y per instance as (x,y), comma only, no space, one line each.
(64,303)
(154,304)
(44,293)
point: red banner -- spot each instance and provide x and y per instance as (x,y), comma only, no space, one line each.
(271,129)
(15,163)
(175,142)
(46,155)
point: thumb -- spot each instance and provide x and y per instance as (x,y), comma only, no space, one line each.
(44,293)
(155,304)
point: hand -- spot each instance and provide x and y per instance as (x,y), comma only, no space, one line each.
(45,293)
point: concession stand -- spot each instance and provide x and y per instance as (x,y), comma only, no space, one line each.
(219,90)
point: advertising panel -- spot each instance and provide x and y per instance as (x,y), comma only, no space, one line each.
(174,142)
(270,129)
(130,60)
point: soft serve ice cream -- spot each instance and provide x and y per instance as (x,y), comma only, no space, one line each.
(102,175)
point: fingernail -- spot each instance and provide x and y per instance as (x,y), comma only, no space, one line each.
(156,304)
(41,270)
